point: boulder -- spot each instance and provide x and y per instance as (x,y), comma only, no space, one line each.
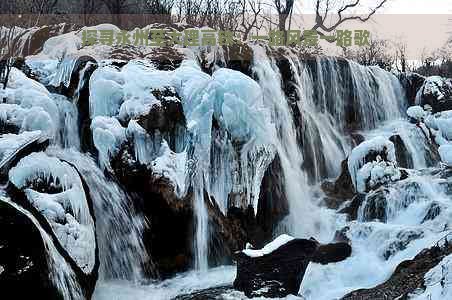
(277,270)
(38,143)
(273,205)
(436,91)
(68,235)
(166,118)
(24,269)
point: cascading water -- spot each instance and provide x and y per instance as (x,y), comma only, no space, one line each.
(296,182)
(119,229)
(357,97)
(68,135)
(234,129)
(61,273)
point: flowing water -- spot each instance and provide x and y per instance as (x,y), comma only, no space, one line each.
(228,145)
(119,228)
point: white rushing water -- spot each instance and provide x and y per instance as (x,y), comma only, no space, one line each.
(119,228)
(235,127)
(61,274)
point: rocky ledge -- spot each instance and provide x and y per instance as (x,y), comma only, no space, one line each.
(277,270)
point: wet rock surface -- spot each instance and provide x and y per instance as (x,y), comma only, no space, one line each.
(407,277)
(411,82)
(172,219)
(342,188)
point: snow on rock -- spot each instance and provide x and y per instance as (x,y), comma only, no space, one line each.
(270,247)
(434,86)
(54,64)
(375,146)
(376,173)
(161,160)
(242,107)
(65,206)
(436,92)
(445,151)
(441,122)
(172,166)
(9,143)
(28,105)
(416,112)
(106,92)
(108,136)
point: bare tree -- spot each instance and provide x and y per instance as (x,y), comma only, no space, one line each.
(400,55)
(377,53)
(90,7)
(284,9)
(324,9)
(116,7)
(250,12)
(8,45)
(41,7)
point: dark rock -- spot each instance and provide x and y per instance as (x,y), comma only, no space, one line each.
(239,57)
(84,278)
(407,277)
(23,257)
(404,160)
(273,205)
(404,238)
(32,39)
(207,294)
(433,211)
(342,187)
(357,139)
(340,236)
(411,83)
(375,206)
(166,116)
(165,58)
(436,92)
(166,119)
(351,209)
(281,272)
(169,238)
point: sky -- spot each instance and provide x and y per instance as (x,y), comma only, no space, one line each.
(418,7)
(392,6)
(424,25)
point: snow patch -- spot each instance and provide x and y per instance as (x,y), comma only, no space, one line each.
(376,173)
(270,247)
(445,152)
(357,158)
(108,136)
(416,112)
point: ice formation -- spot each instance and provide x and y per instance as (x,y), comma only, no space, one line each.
(67,211)
(378,145)
(27,105)
(253,123)
(416,112)
(445,151)
(376,173)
